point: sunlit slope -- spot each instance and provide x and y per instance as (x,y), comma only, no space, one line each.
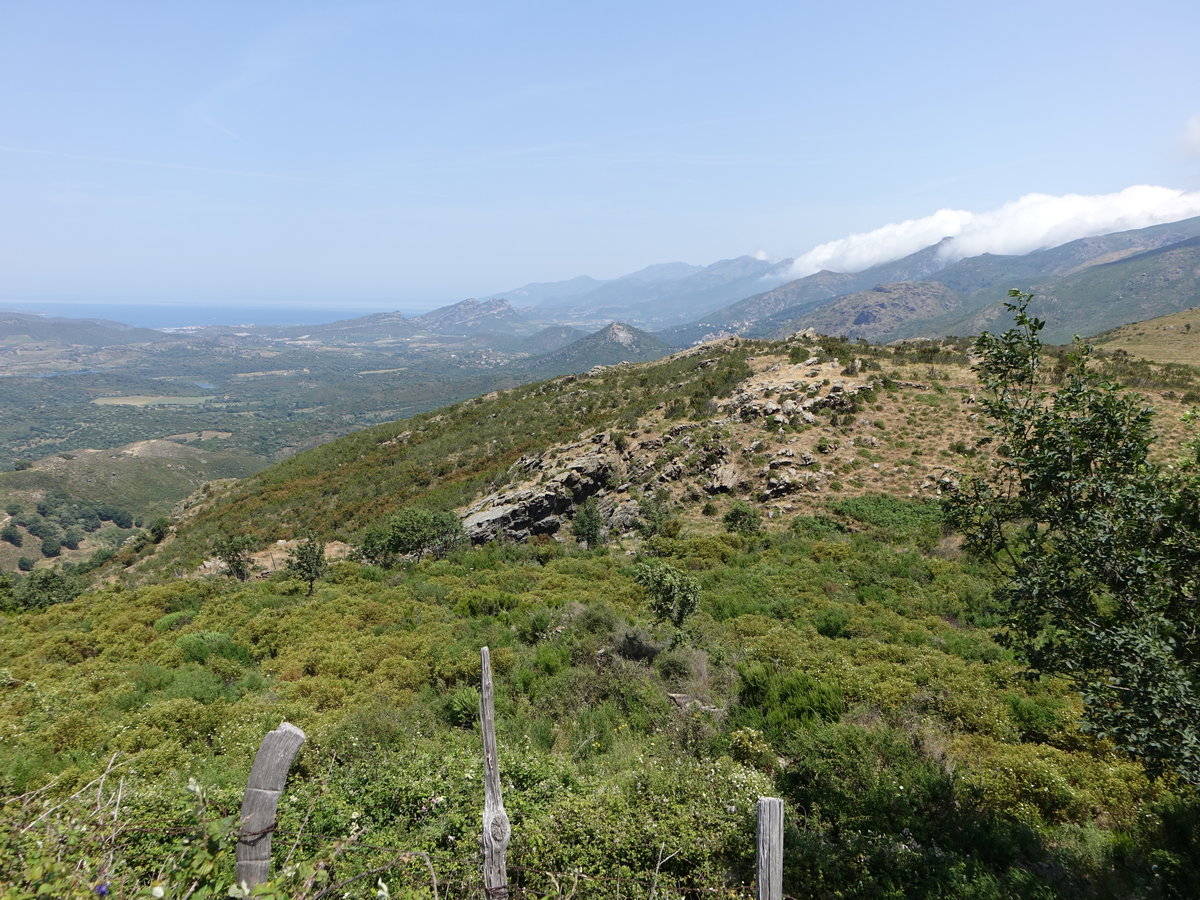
(1170,339)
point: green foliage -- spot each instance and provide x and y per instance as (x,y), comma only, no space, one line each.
(655,516)
(413,530)
(742,518)
(831,622)
(462,707)
(1099,548)
(897,520)
(777,702)
(72,538)
(201,646)
(897,731)
(588,524)
(307,561)
(11,535)
(39,589)
(234,553)
(674,596)
(159,529)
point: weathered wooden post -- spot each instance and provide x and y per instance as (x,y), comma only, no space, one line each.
(263,788)
(770,848)
(496,829)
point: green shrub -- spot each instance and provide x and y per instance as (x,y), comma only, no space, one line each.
(461,708)
(742,518)
(831,622)
(200,646)
(175,620)
(777,701)
(900,520)
(598,618)
(1037,719)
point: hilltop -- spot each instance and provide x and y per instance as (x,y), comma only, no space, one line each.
(784,424)
(1168,339)
(613,344)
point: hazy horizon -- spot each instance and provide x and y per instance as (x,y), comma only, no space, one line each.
(389,155)
(1030,223)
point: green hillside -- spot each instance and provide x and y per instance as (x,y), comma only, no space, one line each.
(842,654)
(843,662)
(73,498)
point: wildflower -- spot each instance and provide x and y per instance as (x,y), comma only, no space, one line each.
(102,889)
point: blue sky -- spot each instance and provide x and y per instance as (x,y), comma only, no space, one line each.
(405,155)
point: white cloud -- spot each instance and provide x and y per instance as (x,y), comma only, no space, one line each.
(1033,222)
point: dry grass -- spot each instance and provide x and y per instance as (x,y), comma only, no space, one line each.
(1170,339)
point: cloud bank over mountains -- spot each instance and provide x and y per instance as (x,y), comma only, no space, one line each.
(1033,222)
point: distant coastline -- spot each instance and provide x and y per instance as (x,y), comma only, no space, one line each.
(178,315)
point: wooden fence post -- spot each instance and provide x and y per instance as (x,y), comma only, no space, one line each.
(267,777)
(496,828)
(770,848)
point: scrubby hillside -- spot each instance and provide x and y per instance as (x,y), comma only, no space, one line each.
(785,425)
(72,505)
(840,653)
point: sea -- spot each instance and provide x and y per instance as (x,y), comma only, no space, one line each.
(179,315)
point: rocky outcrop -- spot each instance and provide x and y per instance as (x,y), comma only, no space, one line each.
(840,396)
(544,506)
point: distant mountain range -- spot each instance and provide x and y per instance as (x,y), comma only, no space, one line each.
(1084,286)
(654,298)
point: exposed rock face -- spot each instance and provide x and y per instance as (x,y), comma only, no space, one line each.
(748,404)
(724,479)
(754,444)
(543,508)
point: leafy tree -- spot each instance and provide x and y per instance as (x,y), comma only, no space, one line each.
(51,547)
(742,518)
(40,528)
(25,564)
(159,529)
(72,538)
(656,516)
(1098,547)
(39,589)
(10,534)
(374,547)
(122,518)
(234,552)
(588,524)
(413,530)
(674,595)
(307,561)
